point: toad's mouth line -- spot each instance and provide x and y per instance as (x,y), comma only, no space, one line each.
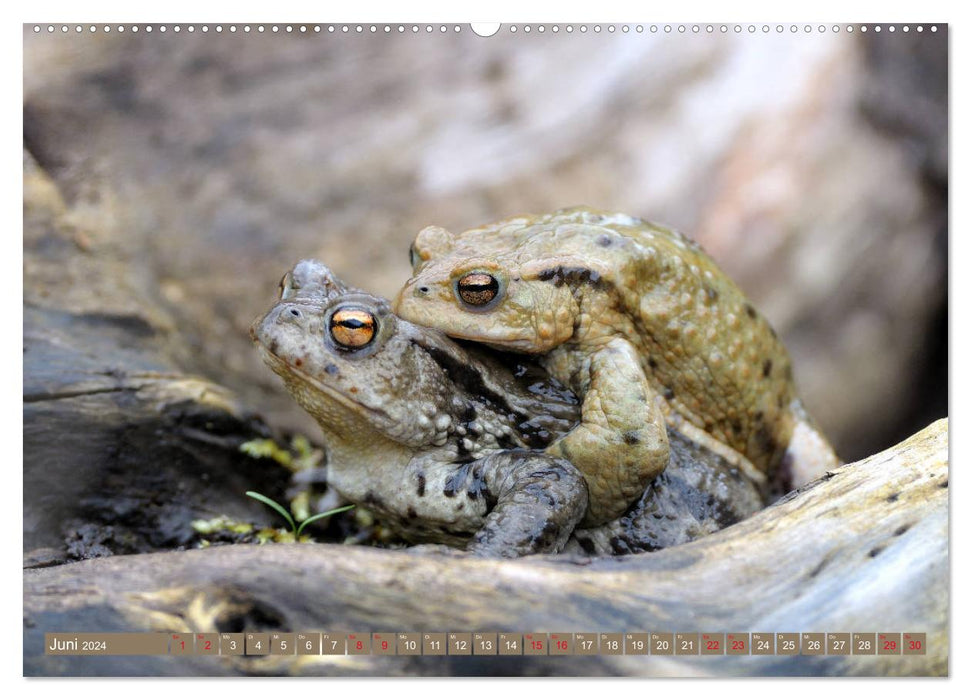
(275,361)
(521,344)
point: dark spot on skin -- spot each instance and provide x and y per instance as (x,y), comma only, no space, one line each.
(767,368)
(737,426)
(726,517)
(750,310)
(353,390)
(631,438)
(298,362)
(605,241)
(454,482)
(460,506)
(372,500)
(586,544)
(469,478)
(478,488)
(531,431)
(331,369)
(421,484)
(652,363)
(874,552)
(506,442)
(545,537)
(412,513)
(574,277)
(901,530)
(712,294)
(668,393)
(620,545)
(893,497)
(274,346)
(942,485)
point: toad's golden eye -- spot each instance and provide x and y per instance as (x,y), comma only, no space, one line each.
(352,328)
(285,285)
(478,288)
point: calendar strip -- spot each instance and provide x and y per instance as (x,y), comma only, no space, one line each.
(487,644)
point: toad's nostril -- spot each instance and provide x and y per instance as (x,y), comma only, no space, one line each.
(295,313)
(423,290)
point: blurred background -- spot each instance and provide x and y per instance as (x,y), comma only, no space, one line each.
(188,172)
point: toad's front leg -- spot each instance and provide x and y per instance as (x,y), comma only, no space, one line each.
(537,501)
(621,443)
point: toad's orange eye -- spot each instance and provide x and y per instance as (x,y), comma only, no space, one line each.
(478,288)
(352,328)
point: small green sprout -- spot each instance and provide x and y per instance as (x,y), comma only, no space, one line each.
(289,518)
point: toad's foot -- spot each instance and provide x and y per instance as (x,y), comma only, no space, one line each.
(539,501)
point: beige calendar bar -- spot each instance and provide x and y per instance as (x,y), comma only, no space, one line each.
(106,644)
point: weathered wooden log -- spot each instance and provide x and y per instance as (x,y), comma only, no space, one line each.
(863,549)
(122,447)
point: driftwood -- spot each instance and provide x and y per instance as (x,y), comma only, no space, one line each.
(863,549)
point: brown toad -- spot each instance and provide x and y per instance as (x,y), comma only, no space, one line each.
(640,323)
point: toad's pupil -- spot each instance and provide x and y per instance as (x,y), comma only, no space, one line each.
(478,288)
(352,328)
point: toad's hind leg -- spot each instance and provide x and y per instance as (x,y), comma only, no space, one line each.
(539,499)
(704,440)
(621,443)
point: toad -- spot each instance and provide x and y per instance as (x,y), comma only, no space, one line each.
(639,322)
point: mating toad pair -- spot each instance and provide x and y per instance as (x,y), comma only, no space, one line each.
(620,393)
